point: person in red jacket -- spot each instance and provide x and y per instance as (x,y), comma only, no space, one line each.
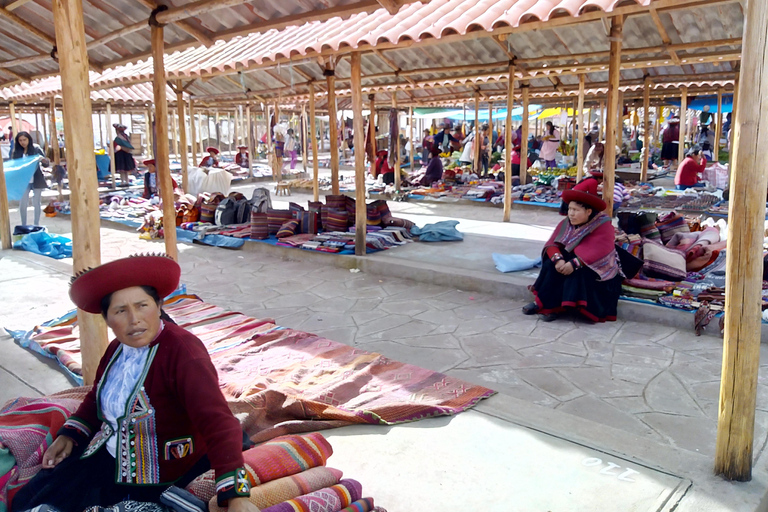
(212,160)
(688,172)
(241,158)
(155,417)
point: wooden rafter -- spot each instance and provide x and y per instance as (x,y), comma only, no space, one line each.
(663,33)
(182,25)
(390,5)
(17,3)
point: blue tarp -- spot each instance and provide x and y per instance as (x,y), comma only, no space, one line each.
(47,244)
(517,114)
(514,262)
(701,101)
(18,174)
(443,231)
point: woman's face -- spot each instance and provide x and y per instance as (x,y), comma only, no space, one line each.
(23,141)
(577,214)
(134,317)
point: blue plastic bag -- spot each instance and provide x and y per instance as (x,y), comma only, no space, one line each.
(47,244)
(443,231)
(514,262)
(18,174)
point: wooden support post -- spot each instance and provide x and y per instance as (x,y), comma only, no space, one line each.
(411,135)
(193,132)
(359,141)
(55,138)
(322,135)
(304,138)
(734,109)
(683,123)
(396,144)
(110,138)
(238,128)
(84,197)
(601,114)
(575,124)
(508,144)
(490,133)
(46,142)
(313,137)
(719,127)
(101,129)
(646,154)
(14,126)
(612,118)
(333,130)
(200,146)
(248,133)
(478,135)
(372,128)
(6,242)
(183,156)
(744,266)
(579,133)
(620,120)
(162,160)
(148,131)
(217,128)
(524,137)
(174,135)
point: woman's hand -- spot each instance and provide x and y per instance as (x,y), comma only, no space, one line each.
(58,451)
(559,265)
(241,505)
(567,269)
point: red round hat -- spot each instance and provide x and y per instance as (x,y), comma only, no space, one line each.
(596,174)
(151,161)
(381,152)
(242,147)
(584,198)
(210,149)
(157,270)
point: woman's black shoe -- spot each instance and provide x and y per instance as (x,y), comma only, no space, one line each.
(530,309)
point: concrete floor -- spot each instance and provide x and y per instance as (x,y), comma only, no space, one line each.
(639,393)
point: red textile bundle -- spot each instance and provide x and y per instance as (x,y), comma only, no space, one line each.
(285,456)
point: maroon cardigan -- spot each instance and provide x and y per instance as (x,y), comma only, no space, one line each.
(177,415)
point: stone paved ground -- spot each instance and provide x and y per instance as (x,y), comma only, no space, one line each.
(653,381)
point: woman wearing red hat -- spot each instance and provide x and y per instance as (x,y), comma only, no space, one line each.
(580,269)
(151,181)
(212,160)
(381,167)
(241,158)
(155,417)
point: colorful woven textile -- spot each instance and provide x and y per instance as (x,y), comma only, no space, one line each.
(288,228)
(285,456)
(663,262)
(25,431)
(330,499)
(276,218)
(670,224)
(288,488)
(259,226)
(283,381)
(361,505)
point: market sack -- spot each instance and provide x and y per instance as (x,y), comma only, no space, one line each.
(259,225)
(18,174)
(277,218)
(663,262)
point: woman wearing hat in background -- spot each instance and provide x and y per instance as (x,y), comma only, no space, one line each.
(23,146)
(434,168)
(241,158)
(670,141)
(155,417)
(687,175)
(381,167)
(124,163)
(580,269)
(212,160)
(151,181)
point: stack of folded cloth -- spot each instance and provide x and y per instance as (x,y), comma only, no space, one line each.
(288,474)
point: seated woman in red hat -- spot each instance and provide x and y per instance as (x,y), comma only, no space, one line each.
(152,182)
(381,167)
(434,168)
(580,269)
(212,160)
(241,158)
(155,417)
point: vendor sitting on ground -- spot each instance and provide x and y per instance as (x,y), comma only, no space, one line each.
(241,158)
(580,269)
(152,181)
(155,416)
(434,168)
(516,161)
(688,172)
(212,160)
(381,167)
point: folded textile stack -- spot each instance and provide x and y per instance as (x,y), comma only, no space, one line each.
(288,474)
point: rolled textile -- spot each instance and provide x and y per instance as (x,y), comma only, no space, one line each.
(330,499)
(285,456)
(288,488)
(670,224)
(651,284)
(362,505)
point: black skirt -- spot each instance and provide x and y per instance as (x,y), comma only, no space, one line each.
(581,291)
(669,150)
(124,161)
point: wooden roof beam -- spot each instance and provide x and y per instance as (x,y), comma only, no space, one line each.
(390,5)
(205,39)
(663,33)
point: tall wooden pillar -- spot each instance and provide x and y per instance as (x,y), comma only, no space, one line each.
(148,131)
(611,119)
(5,216)
(490,133)
(162,160)
(683,123)
(411,135)
(313,138)
(248,133)
(101,129)
(719,127)
(110,138)
(304,138)
(14,125)
(361,228)
(744,268)
(508,144)
(601,131)
(620,120)
(396,144)
(174,135)
(734,108)
(478,135)
(193,132)
(238,128)
(579,132)
(183,156)
(372,128)
(333,129)
(646,130)
(524,136)
(55,135)
(84,197)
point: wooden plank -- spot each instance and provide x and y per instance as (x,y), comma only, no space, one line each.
(110,138)
(359,142)
(148,132)
(646,154)
(744,266)
(313,137)
(248,132)
(6,242)
(161,147)
(84,194)
(333,130)
(55,138)
(490,133)
(193,132)
(719,121)
(396,142)
(580,133)
(390,5)
(372,128)
(508,145)
(304,138)
(611,119)
(29,27)
(683,123)
(183,155)
(524,137)
(620,119)
(478,135)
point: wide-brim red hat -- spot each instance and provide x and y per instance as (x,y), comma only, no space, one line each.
(211,149)
(381,152)
(242,147)
(596,174)
(158,271)
(590,200)
(148,162)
